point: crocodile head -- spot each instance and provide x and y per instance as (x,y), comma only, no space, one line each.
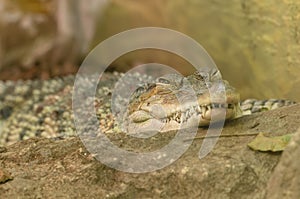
(173,100)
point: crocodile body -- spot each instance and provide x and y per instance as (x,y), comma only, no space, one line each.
(44,108)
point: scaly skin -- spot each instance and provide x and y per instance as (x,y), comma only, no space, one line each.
(157,106)
(175,99)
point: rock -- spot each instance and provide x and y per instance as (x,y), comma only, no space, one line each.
(48,168)
(285,180)
(4,176)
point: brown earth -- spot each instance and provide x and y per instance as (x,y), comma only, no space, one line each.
(45,168)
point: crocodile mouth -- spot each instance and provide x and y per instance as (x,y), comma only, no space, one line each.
(157,120)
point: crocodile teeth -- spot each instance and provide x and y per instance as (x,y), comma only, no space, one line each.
(203,109)
(209,107)
(183,116)
(215,105)
(198,109)
(195,109)
(223,105)
(164,120)
(187,113)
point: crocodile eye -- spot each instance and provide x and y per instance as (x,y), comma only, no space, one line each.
(215,72)
(163,80)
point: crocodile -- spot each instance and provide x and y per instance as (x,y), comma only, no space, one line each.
(43,108)
(165,105)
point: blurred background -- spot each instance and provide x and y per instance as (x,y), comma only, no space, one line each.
(255,44)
